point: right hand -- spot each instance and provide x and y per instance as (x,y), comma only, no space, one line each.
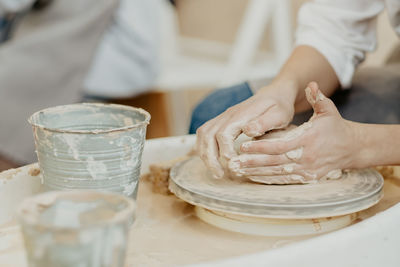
(271,108)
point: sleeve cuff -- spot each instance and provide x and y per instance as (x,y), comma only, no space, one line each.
(342,64)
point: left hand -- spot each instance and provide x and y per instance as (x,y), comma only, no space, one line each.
(329,143)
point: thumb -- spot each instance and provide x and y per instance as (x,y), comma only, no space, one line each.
(319,102)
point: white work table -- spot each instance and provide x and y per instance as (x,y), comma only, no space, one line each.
(167,233)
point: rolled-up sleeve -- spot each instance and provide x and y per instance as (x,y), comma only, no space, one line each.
(341,30)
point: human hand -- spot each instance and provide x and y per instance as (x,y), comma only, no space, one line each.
(326,143)
(271,108)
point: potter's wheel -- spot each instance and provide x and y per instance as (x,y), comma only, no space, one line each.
(253,208)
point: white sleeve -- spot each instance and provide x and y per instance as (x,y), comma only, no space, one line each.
(13,5)
(341,30)
(126,62)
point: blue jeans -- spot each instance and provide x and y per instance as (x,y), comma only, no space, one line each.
(217,102)
(8,24)
(373,98)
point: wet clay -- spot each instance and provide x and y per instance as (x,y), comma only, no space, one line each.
(289,133)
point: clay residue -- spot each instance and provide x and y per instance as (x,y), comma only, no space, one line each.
(96,168)
(158,175)
(34,171)
(9,174)
(386,171)
(334,174)
(316,224)
(295,153)
(73,141)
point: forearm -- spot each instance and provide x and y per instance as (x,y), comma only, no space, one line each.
(378,144)
(304,65)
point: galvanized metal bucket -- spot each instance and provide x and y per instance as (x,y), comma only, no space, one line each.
(90,146)
(72,229)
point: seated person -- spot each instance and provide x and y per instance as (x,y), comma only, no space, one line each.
(69,52)
(332,39)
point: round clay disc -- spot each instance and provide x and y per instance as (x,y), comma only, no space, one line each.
(356,190)
(273,227)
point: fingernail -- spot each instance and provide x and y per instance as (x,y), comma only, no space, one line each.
(240,159)
(245,146)
(254,129)
(215,176)
(309,95)
(234,164)
(240,171)
(320,96)
(218,174)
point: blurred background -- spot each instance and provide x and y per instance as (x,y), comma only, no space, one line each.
(160,55)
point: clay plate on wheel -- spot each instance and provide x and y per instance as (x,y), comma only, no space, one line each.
(355,191)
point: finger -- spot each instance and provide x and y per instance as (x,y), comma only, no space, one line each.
(319,102)
(207,147)
(271,147)
(279,179)
(231,129)
(225,129)
(226,137)
(216,138)
(269,120)
(208,152)
(257,160)
(211,160)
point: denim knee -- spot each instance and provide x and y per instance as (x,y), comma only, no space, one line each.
(217,102)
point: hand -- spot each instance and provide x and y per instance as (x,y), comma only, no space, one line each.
(326,143)
(271,108)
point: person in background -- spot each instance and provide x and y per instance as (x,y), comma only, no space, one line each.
(332,40)
(8,17)
(66,51)
(11,11)
(127,61)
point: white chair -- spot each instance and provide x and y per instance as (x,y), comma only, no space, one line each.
(187,63)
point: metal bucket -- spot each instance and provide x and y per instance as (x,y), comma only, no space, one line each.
(71,229)
(90,146)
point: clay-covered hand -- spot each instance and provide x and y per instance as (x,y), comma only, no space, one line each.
(321,146)
(271,108)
